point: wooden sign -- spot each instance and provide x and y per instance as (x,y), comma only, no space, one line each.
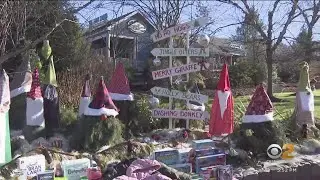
(178,29)
(32,165)
(179,95)
(192,52)
(180,114)
(175,71)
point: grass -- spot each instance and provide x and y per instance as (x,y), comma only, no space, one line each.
(281,108)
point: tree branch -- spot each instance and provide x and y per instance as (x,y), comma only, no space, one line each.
(31,45)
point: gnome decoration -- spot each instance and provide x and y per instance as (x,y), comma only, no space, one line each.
(5,145)
(222,118)
(193,105)
(119,88)
(304,99)
(34,114)
(85,95)
(102,104)
(21,82)
(51,100)
(258,120)
(46,50)
(19,86)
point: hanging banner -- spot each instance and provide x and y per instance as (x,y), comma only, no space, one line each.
(180,114)
(179,95)
(178,29)
(192,52)
(176,71)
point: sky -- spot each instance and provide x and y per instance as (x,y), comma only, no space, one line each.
(222,13)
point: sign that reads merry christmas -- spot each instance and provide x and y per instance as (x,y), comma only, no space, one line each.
(178,29)
(181,52)
(179,95)
(180,114)
(179,70)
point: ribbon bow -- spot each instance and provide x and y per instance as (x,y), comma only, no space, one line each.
(202,65)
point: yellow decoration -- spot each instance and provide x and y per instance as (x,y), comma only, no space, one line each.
(46,49)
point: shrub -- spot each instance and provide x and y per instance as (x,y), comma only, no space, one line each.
(93,133)
(68,116)
(288,72)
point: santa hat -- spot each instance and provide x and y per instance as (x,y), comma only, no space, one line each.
(119,85)
(193,105)
(85,95)
(35,91)
(260,108)
(21,82)
(34,111)
(102,103)
(223,88)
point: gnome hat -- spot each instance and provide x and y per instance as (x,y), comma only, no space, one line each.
(223,89)
(260,108)
(35,91)
(4,92)
(51,78)
(224,82)
(86,92)
(21,82)
(102,103)
(304,81)
(119,85)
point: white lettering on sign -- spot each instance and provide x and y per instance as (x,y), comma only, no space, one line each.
(178,29)
(180,52)
(175,71)
(180,114)
(179,95)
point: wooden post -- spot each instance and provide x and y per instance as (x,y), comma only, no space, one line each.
(188,61)
(170,85)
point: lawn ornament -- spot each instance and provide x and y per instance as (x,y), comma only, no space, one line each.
(204,40)
(156,62)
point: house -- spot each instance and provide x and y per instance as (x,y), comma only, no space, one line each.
(224,50)
(125,38)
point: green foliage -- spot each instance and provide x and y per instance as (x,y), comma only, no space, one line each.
(68,116)
(92,133)
(245,73)
(141,117)
(288,72)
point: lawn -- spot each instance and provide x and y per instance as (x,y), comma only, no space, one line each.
(281,108)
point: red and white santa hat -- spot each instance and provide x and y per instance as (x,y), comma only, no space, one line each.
(224,89)
(35,91)
(102,103)
(260,108)
(119,85)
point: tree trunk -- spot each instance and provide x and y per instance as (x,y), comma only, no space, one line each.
(269,68)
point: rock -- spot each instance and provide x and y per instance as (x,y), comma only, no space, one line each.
(40,142)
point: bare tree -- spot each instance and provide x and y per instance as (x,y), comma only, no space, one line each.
(311,16)
(271,42)
(20,17)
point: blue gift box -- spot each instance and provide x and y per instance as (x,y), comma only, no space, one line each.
(184,155)
(167,156)
(202,144)
(207,152)
(207,161)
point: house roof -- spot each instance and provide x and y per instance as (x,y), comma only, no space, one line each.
(109,24)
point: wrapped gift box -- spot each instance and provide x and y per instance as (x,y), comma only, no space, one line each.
(184,155)
(187,167)
(167,156)
(202,144)
(225,172)
(74,169)
(32,165)
(209,172)
(207,161)
(46,175)
(207,152)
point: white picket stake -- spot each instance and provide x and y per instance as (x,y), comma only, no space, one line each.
(170,98)
(188,61)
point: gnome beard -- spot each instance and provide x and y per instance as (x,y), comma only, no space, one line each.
(257,128)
